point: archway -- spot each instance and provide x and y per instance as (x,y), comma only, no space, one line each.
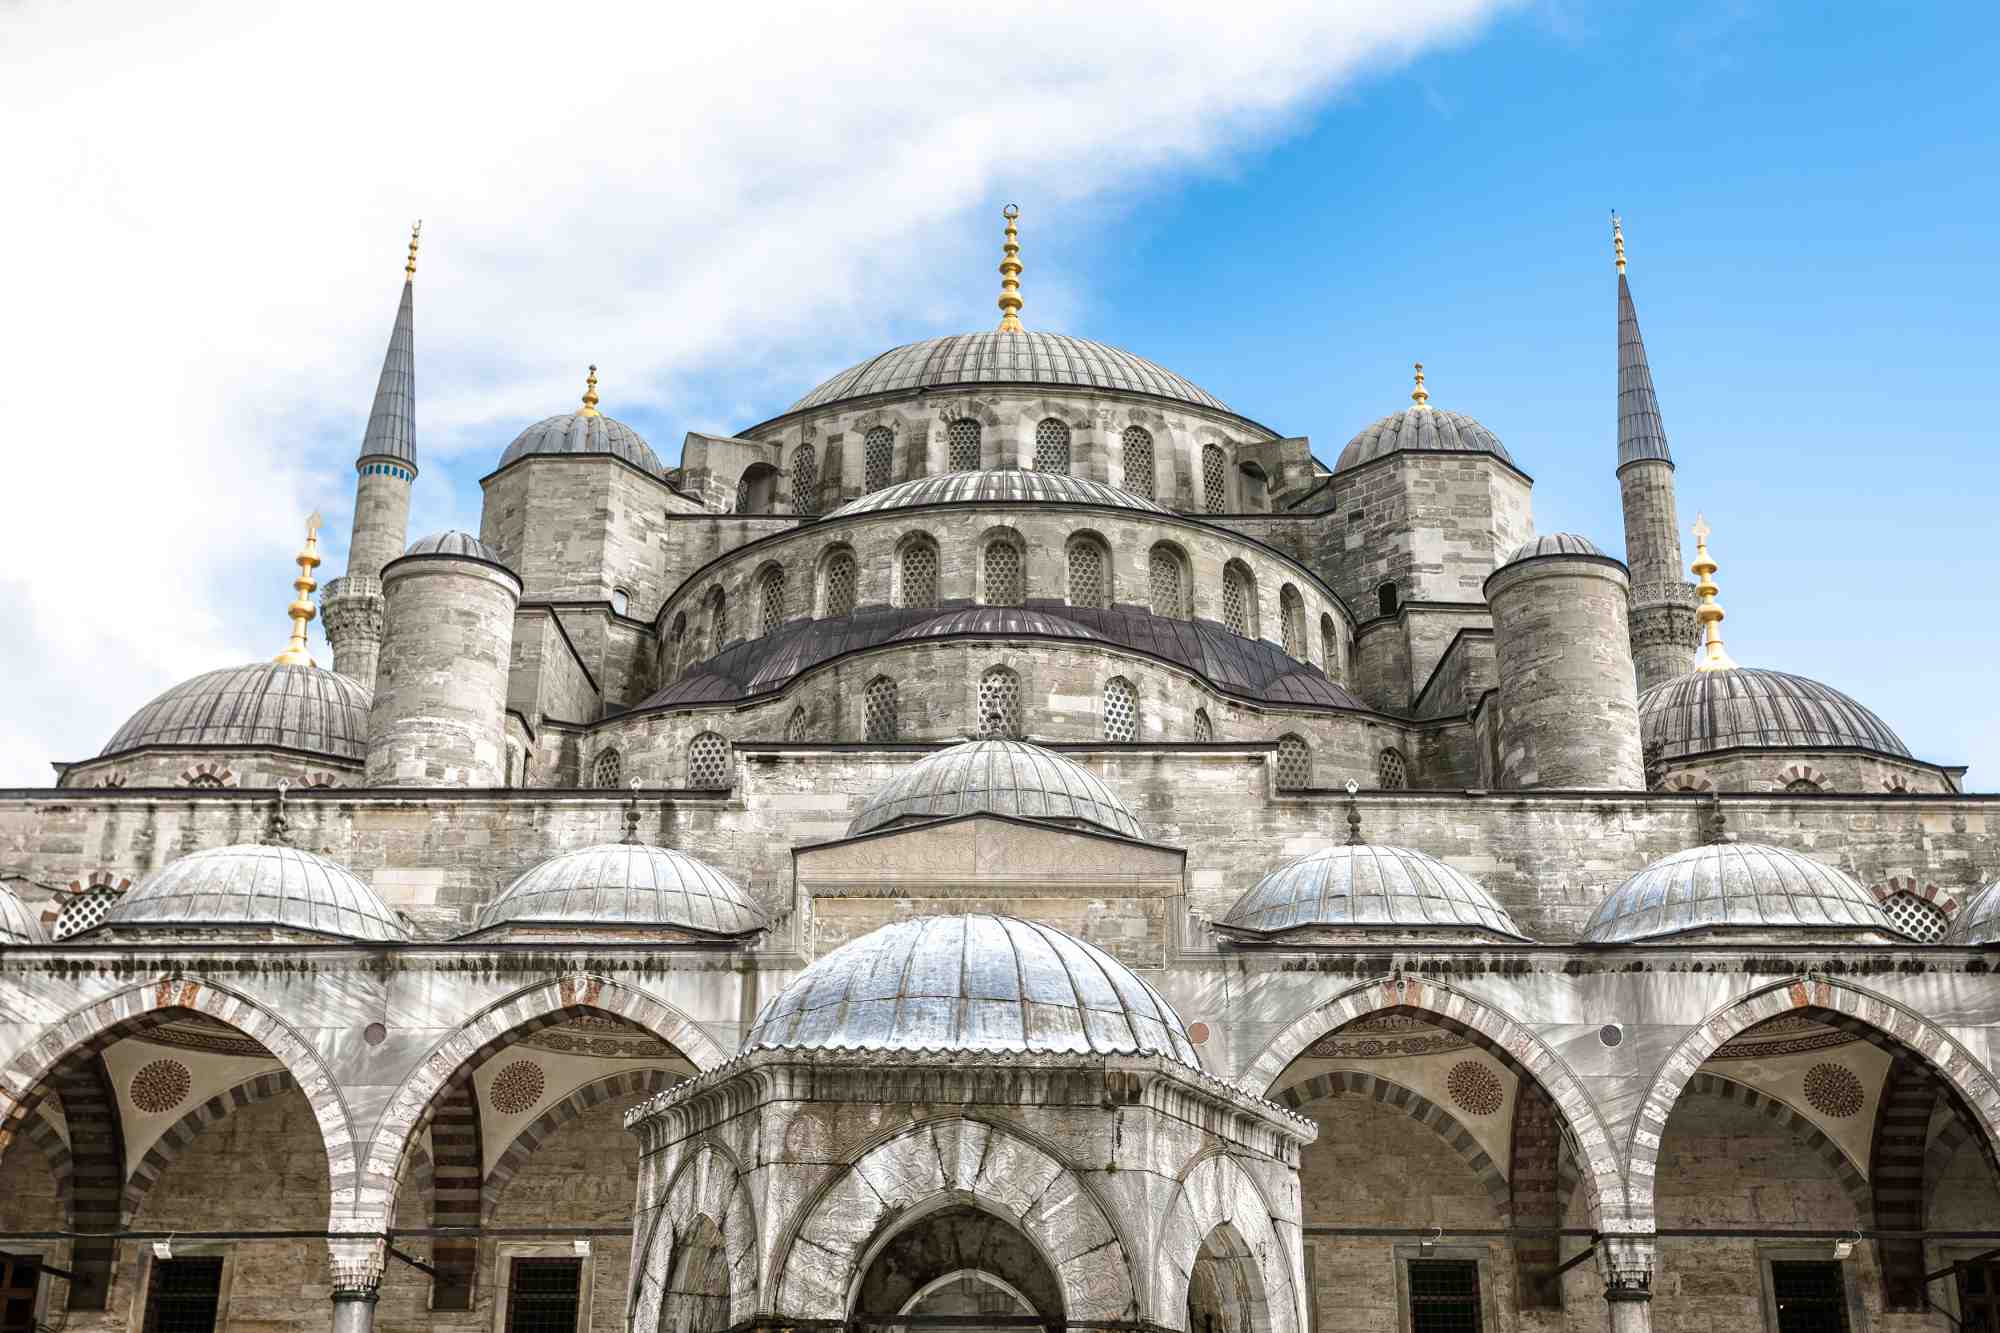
(1225,1291)
(917,1261)
(1222,1265)
(696,1298)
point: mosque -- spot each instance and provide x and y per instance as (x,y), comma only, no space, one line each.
(1010,842)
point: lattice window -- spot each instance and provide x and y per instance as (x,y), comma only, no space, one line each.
(805,479)
(1392,772)
(1052,446)
(743,495)
(962,446)
(1916,918)
(840,577)
(1214,478)
(1164,582)
(1121,710)
(1204,730)
(718,621)
(878,450)
(879,709)
(920,573)
(795,725)
(1088,584)
(677,648)
(1004,584)
(708,761)
(82,912)
(1292,612)
(1295,762)
(607,769)
(1329,647)
(771,595)
(1237,607)
(1802,784)
(1000,704)
(182,1295)
(1138,459)
(1444,1295)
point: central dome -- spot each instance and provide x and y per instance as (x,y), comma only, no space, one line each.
(996,484)
(996,778)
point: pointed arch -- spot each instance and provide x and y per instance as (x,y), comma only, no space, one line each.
(1386,1092)
(1781,1112)
(708,1188)
(538,1131)
(1216,1197)
(183,1132)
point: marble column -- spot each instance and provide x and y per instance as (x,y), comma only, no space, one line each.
(1626,1265)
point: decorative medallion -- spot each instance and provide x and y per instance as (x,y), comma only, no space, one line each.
(160,1086)
(1474,1088)
(517,1088)
(1833,1090)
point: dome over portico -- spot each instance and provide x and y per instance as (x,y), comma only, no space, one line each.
(1737,886)
(254,885)
(625,886)
(1368,888)
(997,777)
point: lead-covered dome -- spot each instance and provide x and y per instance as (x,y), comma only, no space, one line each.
(264,704)
(18,926)
(626,886)
(998,621)
(1979,923)
(1017,485)
(583,433)
(453,542)
(996,777)
(996,357)
(1424,429)
(1553,543)
(1736,886)
(1368,888)
(1705,711)
(257,886)
(971,983)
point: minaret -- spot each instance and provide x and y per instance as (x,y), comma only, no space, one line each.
(352,604)
(1663,624)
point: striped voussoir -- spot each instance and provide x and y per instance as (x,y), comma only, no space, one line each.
(537,1132)
(184,1131)
(1354,1083)
(96,1172)
(457,1161)
(1903,1114)
(1535,1198)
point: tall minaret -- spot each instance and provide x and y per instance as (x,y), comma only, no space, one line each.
(352,605)
(1663,622)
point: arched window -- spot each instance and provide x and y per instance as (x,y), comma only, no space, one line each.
(206,780)
(677,647)
(1295,761)
(1214,479)
(1920,920)
(1089,573)
(1204,730)
(805,479)
(755,491)
(1138,459)
(718,622)
(918,575)
(1121,710)
(606,769)
(771,599)
(795,725)
(1391,772)
(962,446)
(1165,584)
(878,449)
(1292,618)
(1329,647)
(840,576)
(708,761)
(1000,704)
(1803,785)
(1005,584)
(1052,446)
(1387,600)
(879,709)
(1239,601)
(621,601)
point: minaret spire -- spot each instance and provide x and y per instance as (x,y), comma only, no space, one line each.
(392,421)
(1010,273)
(301,609)
(1640,432)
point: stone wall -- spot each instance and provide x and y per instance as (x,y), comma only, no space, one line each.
(1434,524)
(578,526)
(185,766)
(1570,708)
(1467,670)
(545,676)
(439,715)
(1774,771)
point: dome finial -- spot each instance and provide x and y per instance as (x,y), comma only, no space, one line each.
(1420,395)
(1618,240)
(410,265)
(1010,274)
(301,609)
(589,408)
(1708,614)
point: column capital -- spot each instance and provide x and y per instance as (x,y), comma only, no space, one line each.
(1626,1265)
(357,1263)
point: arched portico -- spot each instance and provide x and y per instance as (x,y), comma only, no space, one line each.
(703,1234)
(1220,1250)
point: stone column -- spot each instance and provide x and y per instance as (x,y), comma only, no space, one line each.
(1626,1265)
(357,1282)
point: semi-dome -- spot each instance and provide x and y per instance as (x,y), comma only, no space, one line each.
(971,983)
(626,886)
(264,704)
(454,543)
(1425,429)
(1366,887)
(1054,360)
(17,924)
(996,777)
(1979,923)
(996,484)
(1731,886)
(1553,543)
(1706,711)
(997,620)
(258,886)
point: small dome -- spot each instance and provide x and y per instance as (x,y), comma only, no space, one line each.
(263,704)
(1001,485)
(971,983)
(18,926)
(455,543)
(1735,886)
(1554,543)
(1979,923)
(1366,887)
(626,885)
(581,433)
(1429,429)
(1705,711)
(254,885)
(996,778)
(998,620)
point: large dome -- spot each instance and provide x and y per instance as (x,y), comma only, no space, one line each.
(1736,886)
(583,433)
(263,704)
(1705,711)
(994,357)
(971,983)
(626,886)
(996,777)
(996,484)
(1365,887)
(254,885)
(1425,429)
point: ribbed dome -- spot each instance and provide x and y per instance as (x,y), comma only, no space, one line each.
(993,357)
(1431,429)
(996,620)
(1554,543)
(454,542)
(1706,711)
(971,983)
(1367,887)
(253,885)
(17,924)
(1735,886)
(626,885)
(576,433)
(293,707)
(1015,485)
(996,778)
(1979,923)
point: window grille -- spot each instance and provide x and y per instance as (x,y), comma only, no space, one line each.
(1163,577)
(1810,1295)
(877,450)
(805,479)
(920,574)
(82,912)
(1204,730)
(1292,611)
(1000,704)
(1444,1296)
(1052,446)
(743,495)
(1214,478)
(879,709)
(1329,647)
(1003,574)
(840,585)
(607,769)
(1139,461)
(772,593)
(182,1294)
(1121,710)
(708,761)
(1087,584)
(1920,920)
(1294,762)
(718,622)
(962,446)
(1979,1295)
(542,1295)
(205,780)
(677,658)
(795,725)
(1802,784)
(1391,772)
(1236,615)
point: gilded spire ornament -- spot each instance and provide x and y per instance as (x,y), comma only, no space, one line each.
(1420,395)
(410,267)
(589,408)
(1708,615)
(301,609)
(1618,240)
(1010,273)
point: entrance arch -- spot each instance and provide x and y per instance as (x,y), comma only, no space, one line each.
(1220,1257)
(921,1255)
(704,1202)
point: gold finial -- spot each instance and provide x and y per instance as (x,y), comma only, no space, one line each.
(1618,240)
(1010,273)
(410,268)
(1708,615)
(301,609)
(1420,395)
(589,408)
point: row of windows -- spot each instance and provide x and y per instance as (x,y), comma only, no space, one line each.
(388,470)
(1294,765)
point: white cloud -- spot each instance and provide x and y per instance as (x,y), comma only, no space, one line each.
(206,212)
